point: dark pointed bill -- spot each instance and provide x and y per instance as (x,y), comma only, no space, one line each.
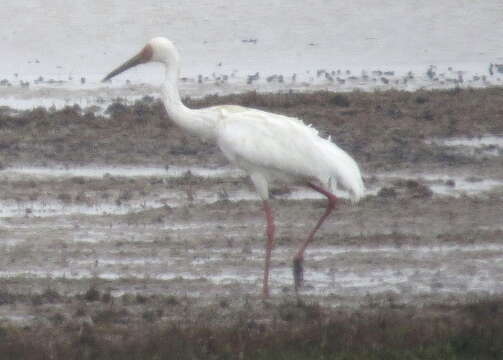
(142,57)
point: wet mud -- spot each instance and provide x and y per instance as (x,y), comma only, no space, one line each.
(127,205)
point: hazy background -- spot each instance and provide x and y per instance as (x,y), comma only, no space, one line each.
(68,40)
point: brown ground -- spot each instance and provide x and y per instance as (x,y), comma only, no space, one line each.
(384,131)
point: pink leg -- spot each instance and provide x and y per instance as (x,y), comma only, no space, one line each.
(269,246)
(298,260)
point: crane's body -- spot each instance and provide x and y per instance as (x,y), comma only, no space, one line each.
(269,147)
(275,147)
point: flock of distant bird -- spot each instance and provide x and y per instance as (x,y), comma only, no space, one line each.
(338,77)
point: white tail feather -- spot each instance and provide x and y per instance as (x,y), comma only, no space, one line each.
(341,167)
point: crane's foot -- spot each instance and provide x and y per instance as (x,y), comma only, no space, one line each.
(298,272)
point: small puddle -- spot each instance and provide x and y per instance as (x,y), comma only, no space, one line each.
(442,184)
(483,146)
(487,140)
(99,172)
(465,187)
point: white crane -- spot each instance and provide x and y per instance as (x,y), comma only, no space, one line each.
(269,147)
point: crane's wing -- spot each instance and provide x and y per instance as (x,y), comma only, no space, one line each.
(280,146)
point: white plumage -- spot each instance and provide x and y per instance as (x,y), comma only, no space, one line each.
(267,146)
(277,147)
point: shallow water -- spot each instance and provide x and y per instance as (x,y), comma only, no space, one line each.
(99,172)
(478,147)
(49,205)
(445,184)
(357,42)
(382,35)
(173,199)
(403,247)
(488,140)
(342,270)
(463,186)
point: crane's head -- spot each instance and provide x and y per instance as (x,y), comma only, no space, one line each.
(159,49)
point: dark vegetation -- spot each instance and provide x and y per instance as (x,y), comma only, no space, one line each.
(378,128)
(103,327)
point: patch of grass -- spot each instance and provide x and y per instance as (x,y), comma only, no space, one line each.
(49,296)
(111,316)
(288,330)
(382,127)
(92,294)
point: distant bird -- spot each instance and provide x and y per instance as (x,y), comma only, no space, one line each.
(252,78)
(268,147)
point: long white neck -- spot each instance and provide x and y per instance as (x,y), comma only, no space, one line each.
(196,122)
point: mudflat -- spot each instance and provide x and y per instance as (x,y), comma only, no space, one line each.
(123,221)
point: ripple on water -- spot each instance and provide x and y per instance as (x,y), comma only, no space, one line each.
(99,172)
(440,184)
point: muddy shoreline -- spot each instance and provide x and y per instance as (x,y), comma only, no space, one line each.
(123,219)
